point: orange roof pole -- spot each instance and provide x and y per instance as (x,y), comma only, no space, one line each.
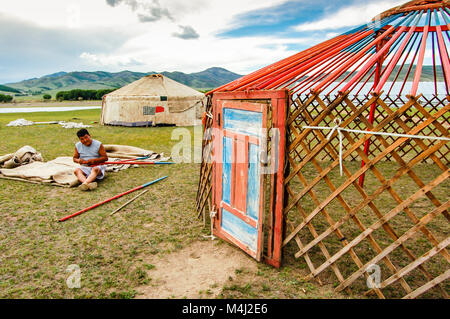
(419,66)
(373,60)
(372,110)
(308,54)
(380,82)
(268,69)
(443,52)
(321,58)
(397,56)
(295,59)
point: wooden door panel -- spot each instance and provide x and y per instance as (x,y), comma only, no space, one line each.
(240,196)
(240,175)
(237,116)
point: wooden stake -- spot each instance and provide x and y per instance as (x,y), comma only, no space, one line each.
(129,202)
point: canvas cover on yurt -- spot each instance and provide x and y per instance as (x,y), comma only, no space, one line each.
(153,100)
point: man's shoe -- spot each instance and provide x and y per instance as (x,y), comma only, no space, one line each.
(83,187)
(92,185)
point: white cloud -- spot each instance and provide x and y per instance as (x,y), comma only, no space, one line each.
(156,48)
(202,14)
(110,60)
(240,55)
(152,46)
(349,16)
(49,13)
(330,35)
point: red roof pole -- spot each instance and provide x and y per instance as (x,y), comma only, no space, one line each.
(443,53)
(277,66)
(373,106)
(397,56)
(292,64)
(379,54)
(434,64)
(320,58)
(421,56)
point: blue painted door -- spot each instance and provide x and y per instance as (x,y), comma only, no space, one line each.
(239,175)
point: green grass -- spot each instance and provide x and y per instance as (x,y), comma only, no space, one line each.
(35,249)
(404,187)
(115,253)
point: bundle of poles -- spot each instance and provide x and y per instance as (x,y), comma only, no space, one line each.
(132,161)
(135,161)
(113,198)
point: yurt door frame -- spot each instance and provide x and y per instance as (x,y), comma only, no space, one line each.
(240,119)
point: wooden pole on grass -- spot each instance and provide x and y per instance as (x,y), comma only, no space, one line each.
(115,211)
(112,198)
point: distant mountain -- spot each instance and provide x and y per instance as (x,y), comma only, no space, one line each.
(55,75)
(207,79)
(5,88)
(210,78)
(426,76)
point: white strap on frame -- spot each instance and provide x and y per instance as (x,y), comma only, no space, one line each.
(340,129)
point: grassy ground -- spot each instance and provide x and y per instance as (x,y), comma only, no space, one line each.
(51,103)
(418,244)
(35,250)
(112,252)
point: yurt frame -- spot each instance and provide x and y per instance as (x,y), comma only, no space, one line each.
(341,223)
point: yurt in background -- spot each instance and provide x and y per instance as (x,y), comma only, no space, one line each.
(153,100)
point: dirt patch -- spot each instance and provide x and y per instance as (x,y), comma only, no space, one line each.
(204,266)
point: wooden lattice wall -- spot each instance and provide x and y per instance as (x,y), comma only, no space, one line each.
(398,220)
(204,204)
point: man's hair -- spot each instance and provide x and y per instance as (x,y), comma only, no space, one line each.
(82,132)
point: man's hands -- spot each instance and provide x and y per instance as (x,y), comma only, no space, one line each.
(94,161)
(81,161)
(84,162)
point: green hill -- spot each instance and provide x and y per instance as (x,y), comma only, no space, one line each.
(63,81)
(426,76)
(210,78)
(5,88)
(207,79)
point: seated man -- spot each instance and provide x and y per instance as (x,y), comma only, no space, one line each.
(88,153)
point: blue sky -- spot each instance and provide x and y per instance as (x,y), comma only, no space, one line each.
(282,18)
(47,36)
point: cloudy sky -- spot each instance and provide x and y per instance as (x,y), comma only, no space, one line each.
(48,36)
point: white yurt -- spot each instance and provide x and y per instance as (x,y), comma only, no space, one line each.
(153,100)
